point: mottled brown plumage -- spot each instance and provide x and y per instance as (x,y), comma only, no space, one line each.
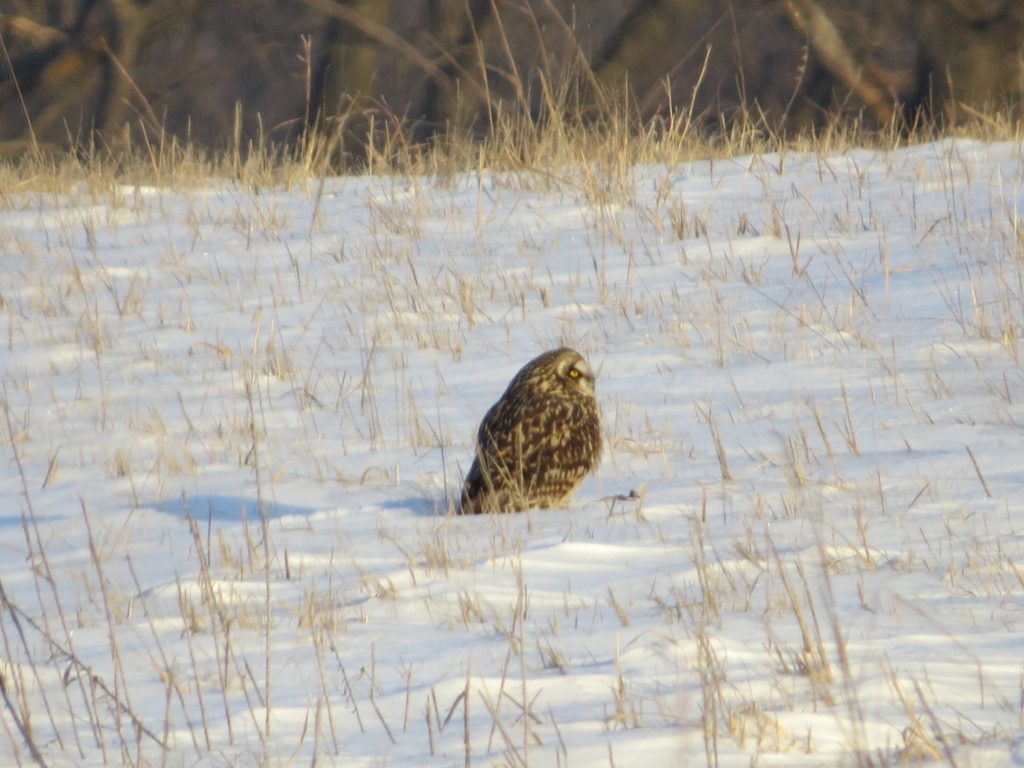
(538,442)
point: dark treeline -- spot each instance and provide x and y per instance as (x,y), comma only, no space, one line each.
(217,73)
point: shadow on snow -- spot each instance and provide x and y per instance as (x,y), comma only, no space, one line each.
(227,509)
(233,509)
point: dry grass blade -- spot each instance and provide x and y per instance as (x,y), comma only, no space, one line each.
(78,669)
(707,416)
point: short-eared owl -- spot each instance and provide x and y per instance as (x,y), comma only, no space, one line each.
(538,442)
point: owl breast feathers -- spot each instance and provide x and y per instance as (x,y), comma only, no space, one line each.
(538,442)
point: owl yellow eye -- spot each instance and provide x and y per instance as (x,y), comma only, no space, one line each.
(574,373)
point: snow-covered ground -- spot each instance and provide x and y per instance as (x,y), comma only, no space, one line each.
(235,420)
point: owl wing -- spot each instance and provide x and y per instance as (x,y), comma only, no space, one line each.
(534,443)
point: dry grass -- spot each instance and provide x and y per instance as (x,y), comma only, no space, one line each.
(591,147)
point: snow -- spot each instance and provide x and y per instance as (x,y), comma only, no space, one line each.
(236,417)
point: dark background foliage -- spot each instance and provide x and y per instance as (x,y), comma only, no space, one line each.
(217,72)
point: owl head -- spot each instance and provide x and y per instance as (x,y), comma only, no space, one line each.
(560,371)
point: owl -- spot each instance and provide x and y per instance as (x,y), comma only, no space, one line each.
(538,442)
